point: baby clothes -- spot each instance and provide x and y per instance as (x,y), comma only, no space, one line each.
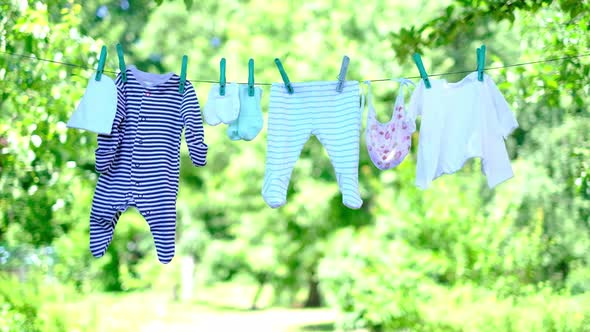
(315,108)
(96,111)
(233,131)
(460,121)
(250,121)
(139,161)
(222,108)
(389,143)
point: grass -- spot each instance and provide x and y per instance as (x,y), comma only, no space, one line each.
(217,309)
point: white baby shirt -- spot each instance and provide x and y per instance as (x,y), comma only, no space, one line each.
(460,121)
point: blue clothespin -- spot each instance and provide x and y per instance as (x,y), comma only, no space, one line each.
(342,75)
(284,76)
(421,69)
(101,61)
(251,77)
(481,62)
(183,74)
(122,66)
(222,77)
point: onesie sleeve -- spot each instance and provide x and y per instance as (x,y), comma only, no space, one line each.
(109,144)
(190,112)
(506,119)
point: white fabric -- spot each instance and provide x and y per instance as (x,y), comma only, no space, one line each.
(224,108)
(96,111)
(460,121)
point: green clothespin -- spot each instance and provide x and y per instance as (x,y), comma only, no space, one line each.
(222,77)
(183,74)
(478,56)
(251,77)
(101,61)
(284,76)
(421,69)
(481,62)
(122,66)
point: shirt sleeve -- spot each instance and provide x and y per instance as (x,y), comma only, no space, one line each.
(506,119)
(193,126)
(496,163)
(108,145)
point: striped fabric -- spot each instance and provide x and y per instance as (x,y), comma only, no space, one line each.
(315,108)
(139,161)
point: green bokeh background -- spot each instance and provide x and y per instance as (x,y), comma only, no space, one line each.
(456,257)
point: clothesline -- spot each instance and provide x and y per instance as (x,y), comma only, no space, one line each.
(370,80)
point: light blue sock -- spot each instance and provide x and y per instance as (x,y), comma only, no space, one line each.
(250,121)
(232,131)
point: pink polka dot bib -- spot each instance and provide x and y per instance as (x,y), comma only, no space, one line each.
(389,143)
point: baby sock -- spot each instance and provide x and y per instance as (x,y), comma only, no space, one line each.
(228,107)
(233,132)
(210,109)
(250,120)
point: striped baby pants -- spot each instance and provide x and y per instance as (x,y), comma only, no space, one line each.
(334,118)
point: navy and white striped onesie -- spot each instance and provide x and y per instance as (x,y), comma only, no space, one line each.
(139,162)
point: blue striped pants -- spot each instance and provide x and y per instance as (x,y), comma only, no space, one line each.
(334,118)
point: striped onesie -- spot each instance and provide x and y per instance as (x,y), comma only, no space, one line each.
(315,108)
(138,163)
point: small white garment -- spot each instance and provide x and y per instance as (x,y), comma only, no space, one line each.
(96,111)
(461,121)
(224,108)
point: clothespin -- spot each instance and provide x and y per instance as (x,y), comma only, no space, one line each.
(481,62)
(222,77)
(342,75)
(122,66)
(284,76)
(251,77)
(101,61)
(421,69)
(183,74)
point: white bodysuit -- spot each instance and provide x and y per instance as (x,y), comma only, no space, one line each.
(460,121)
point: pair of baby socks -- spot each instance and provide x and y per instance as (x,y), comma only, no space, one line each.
(236,108)
(249,122)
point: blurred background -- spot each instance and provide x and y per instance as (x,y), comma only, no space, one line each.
(456,257)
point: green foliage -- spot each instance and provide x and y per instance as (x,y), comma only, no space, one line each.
(528,236)
(467,308)
(377,284)
(458,257)
(18,311)
(22,304)
(386,285)
(38,153)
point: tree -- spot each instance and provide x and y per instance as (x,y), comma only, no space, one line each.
(531,231)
